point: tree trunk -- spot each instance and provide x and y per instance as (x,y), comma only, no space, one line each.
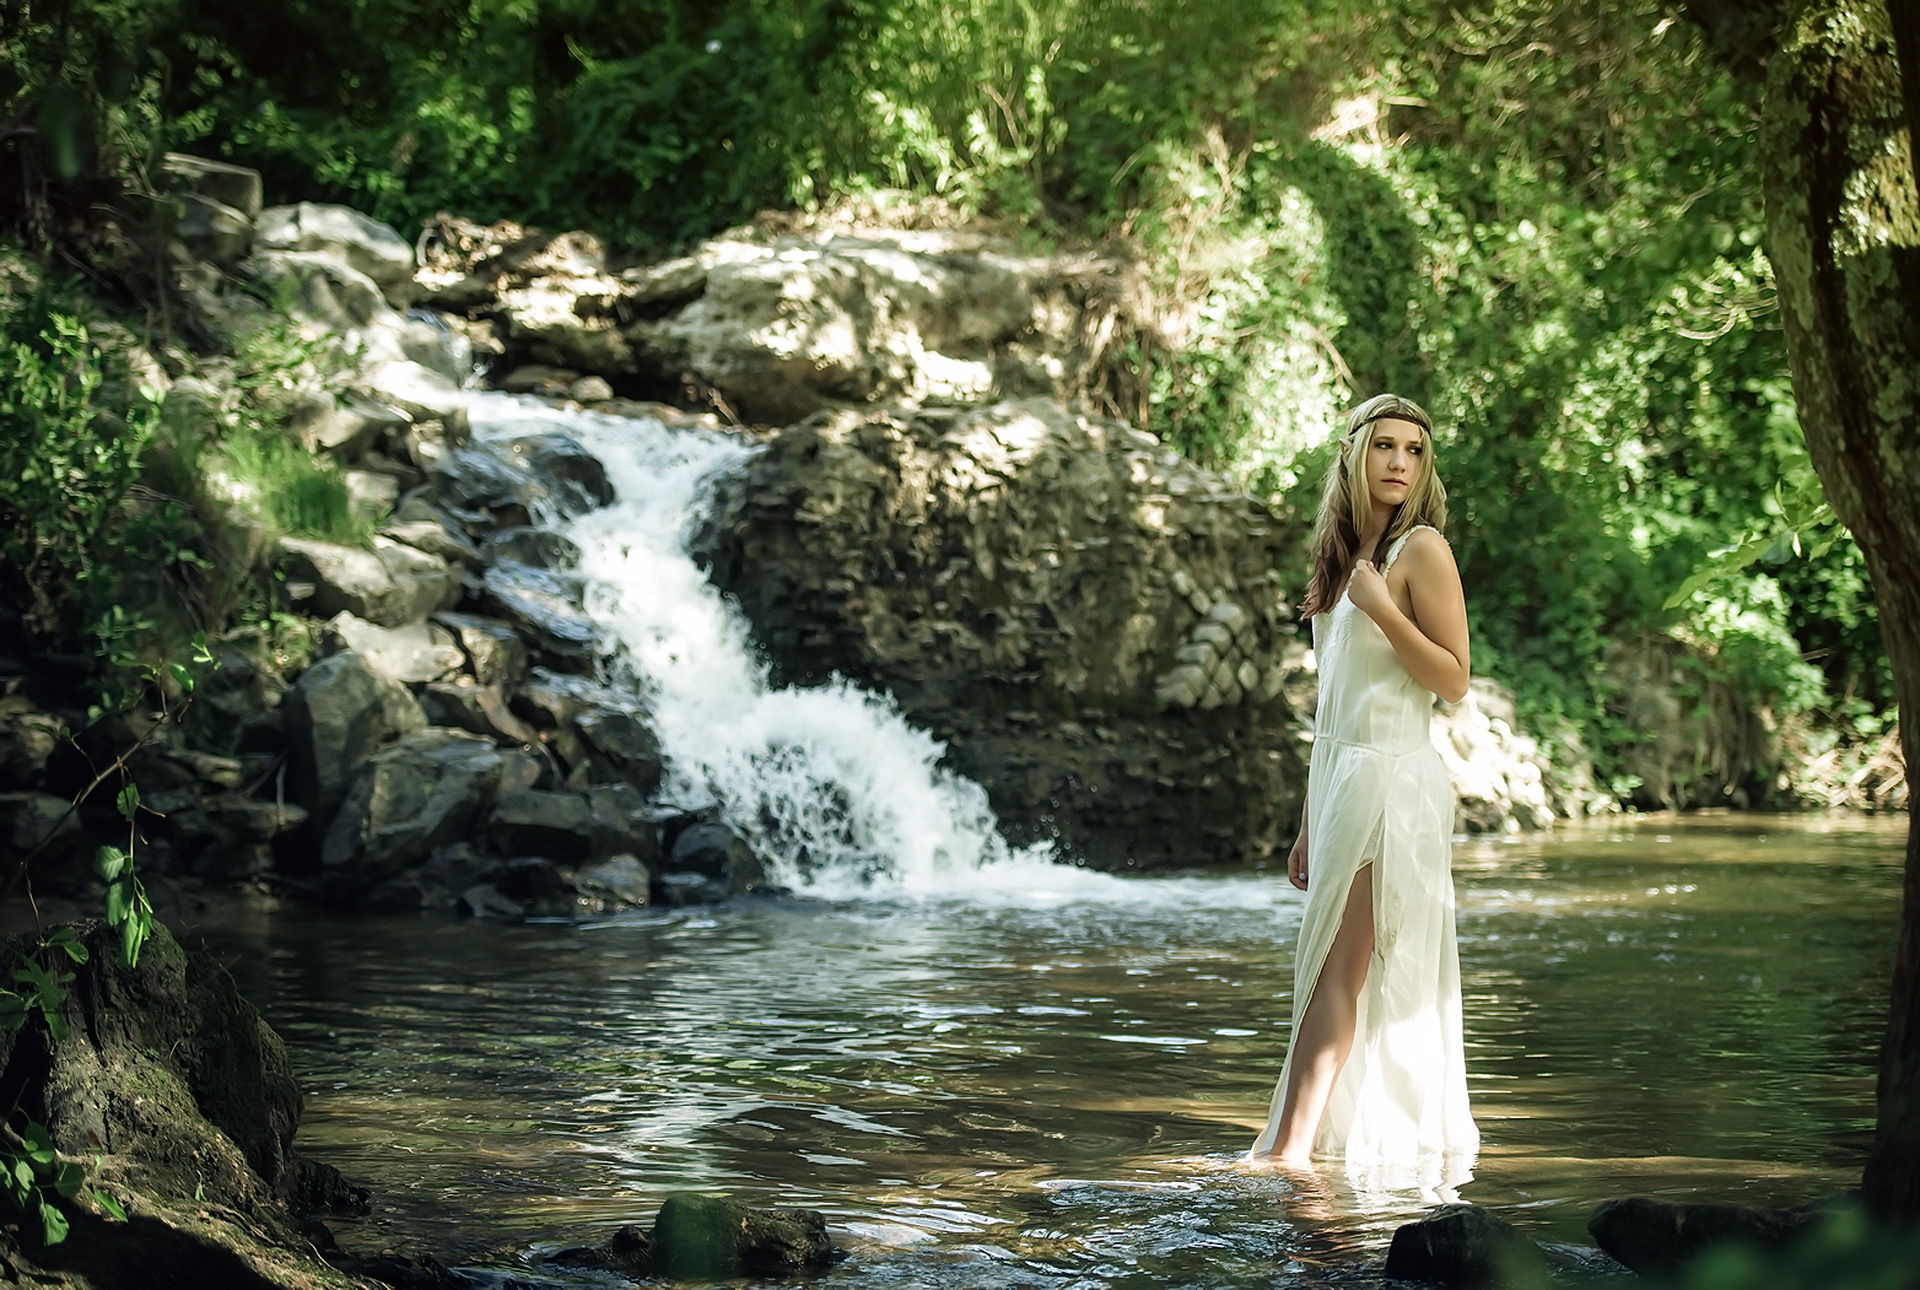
(1843,232)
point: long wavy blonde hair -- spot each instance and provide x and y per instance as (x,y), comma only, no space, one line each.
(1346,503)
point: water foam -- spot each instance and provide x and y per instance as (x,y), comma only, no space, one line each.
(844,795)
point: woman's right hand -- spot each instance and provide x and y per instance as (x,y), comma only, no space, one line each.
(1297,862)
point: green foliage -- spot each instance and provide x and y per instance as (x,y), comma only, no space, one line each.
(32,1174)
(1845,1252)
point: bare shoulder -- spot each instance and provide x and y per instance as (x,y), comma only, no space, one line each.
(1427,550)
(1429,557)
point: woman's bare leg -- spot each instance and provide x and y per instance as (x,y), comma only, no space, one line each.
(1325,1036)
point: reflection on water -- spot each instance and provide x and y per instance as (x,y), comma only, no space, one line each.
(1053,1089)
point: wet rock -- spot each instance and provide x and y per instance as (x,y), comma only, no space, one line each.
(424,394)
(390,585)
(428,339)
(176,1097)
(708,863)
(1463,1245)
(1061,600)
(485,902)
(434,537)
(370,247)
(619,882)
(538,886)
(620,748)
(436,886)
(399,1271)
(495,653)
(539,548)
(558,826)
(710,1236)
(415,652)
(544,608)
(621,822)
(426,791)
(481,709)
(338,714)
(629,1250)
(544,475)
(1658,1238)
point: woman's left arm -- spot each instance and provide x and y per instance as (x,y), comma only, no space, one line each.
(1433,643)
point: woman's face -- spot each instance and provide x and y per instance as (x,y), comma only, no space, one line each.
(1396,454)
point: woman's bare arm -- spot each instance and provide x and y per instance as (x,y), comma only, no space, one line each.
(1433,642)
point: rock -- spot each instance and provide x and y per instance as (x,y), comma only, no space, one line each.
(540,548)
(321,288)
(713,1237)
(350,425)
(213,231)
(173,1095)
(629,1250)
(1011,575)
(590,389)
(1658,1238)
(481,709)
(538,378)
(544,608)
(620,749)
(367,245)
(389,585)
(429,340)
(338,714)
(619,882)
(506,485)
(422,393)
(436,886)
(371,493)
(786,327)
(495,653)
(1464,1245)
(41,822)
(557,826)
(28,736)
(427,791)
(573,478)
(435,538)
(233,186)
(708,863)
(621,823)
(484,901)
(399,1271)
(417,652)
(538,887)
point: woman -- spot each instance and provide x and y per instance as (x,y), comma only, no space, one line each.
(1376,1069)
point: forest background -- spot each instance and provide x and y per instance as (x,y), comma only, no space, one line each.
(1542,218)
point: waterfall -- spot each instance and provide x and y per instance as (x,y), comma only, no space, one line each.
(836,788)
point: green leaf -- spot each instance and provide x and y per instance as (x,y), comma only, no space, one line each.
(119,901)
(53,1223)
(111,862)
(181,676)
(128,800)
(22,1172)
(68,1178)
(108,1203)
(133,934)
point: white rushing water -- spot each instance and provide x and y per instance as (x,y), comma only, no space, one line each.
(832,783)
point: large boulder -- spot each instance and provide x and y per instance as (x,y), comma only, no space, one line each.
(545,609)
(175,1097)
(712,1237)
(390,585)
(365,244)
(415,652)
(707,863)
(427,791)
(1659,1238)
(507,484)
(1467,1246)
(339,713)
(1031,586)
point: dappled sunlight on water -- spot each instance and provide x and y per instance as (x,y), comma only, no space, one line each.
(1053,1089)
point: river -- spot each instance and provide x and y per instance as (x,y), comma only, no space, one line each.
(1047,1081)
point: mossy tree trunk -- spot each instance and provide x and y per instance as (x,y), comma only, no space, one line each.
(1843,232)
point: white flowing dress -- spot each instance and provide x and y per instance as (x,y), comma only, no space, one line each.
(1378,793)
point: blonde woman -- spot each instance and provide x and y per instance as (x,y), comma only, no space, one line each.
(1376,1069)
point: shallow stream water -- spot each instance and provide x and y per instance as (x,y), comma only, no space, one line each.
(1048,1082)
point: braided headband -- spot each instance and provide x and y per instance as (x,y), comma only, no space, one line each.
(1382,406)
